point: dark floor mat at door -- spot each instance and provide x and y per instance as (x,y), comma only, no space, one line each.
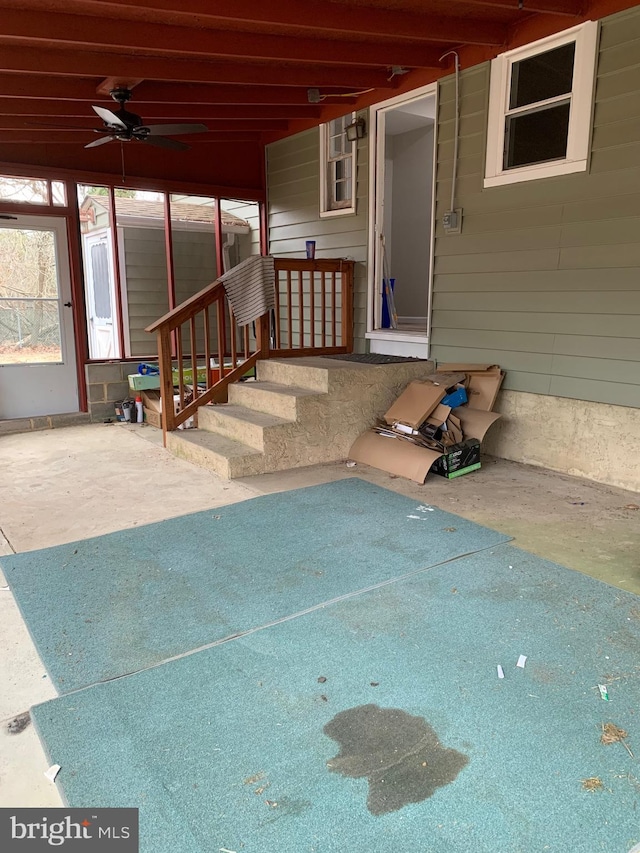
(376,358)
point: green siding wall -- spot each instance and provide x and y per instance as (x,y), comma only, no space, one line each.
(293,181)
(545,277)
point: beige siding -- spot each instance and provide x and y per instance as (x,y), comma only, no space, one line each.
(145,270)
(545,278)
(247,244)
(293,180)
(146,279)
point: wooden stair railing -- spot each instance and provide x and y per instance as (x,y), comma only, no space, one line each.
(313,315)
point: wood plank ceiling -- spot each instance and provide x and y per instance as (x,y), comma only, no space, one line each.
(250,70)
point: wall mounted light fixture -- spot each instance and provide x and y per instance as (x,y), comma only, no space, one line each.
(356,130)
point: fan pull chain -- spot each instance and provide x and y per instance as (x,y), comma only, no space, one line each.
(124,177)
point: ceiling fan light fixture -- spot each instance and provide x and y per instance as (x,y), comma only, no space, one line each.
(126,126)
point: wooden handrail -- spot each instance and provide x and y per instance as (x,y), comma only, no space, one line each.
(314,301)
(189,308)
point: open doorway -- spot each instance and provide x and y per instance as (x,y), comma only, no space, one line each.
(401,223)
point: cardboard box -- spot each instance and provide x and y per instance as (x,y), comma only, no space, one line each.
(152,406)
(455,398)
(458,460)
(415,404)
(141,382)
(152,400)
(187,375)
(152,418)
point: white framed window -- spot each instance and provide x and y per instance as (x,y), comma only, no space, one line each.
(337,168)
(540,104)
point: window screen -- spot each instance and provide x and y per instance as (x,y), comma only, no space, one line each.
(100,274)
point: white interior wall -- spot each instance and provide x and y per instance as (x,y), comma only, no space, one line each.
(412,157)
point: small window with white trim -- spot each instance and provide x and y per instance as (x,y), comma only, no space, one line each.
(540,105)
(337,168)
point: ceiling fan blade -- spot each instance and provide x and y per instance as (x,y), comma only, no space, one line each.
(164,142)
(100,141)
(175,129)
(109,117)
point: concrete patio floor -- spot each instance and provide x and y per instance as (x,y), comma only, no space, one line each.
(61,485)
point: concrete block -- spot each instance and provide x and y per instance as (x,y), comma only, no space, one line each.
(117,391)
(96,393)
(101,411)
(104,372)
(41,423)
(15,425)
(70,419)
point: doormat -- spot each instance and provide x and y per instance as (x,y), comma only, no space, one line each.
(379,723)
(376,358)
(114,604)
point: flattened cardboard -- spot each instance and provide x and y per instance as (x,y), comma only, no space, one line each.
(394,455)
(415,404)
(439,415)
(398,456)
(475,422)
(448,380)
(483,390)
(468,368)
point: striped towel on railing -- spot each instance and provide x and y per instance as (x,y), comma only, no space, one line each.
(250,288)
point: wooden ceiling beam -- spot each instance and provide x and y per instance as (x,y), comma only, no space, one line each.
(87,125)
(568,8)
(48,110)
(52,61)
(313,17)
(69,89)
(30,135)
(105,34)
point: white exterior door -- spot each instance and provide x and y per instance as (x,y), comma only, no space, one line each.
(37,347)
(100,294)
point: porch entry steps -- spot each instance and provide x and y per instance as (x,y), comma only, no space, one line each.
(298,412)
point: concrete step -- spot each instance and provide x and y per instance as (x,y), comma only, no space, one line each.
(309,373)
(225,457)
(283,401)
(240,424)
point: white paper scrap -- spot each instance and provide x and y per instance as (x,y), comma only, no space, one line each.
(52,772)
(521,661)
(500,672)
(423,508)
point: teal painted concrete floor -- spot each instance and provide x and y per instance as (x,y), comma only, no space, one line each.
(69,484)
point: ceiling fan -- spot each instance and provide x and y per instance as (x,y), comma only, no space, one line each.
(125,126)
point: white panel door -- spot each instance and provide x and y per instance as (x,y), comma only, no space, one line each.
(100,296)
(37,347)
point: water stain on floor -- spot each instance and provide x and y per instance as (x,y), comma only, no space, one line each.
(400,755)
